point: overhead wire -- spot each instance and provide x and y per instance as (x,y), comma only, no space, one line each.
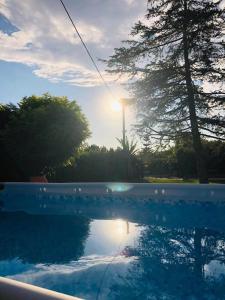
(109,90)
(86,49)
(102,279)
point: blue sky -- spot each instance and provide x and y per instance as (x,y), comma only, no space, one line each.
(39,53)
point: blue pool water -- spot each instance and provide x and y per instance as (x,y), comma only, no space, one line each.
(156,251)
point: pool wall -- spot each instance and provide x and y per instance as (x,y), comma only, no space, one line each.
(61,198)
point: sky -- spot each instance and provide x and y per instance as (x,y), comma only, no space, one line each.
(39,52)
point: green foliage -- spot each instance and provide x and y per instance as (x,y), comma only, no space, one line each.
(185,157)
(176,65)
(179,161)
(215,153)
(155,58)
(43,132)
(6,113)
(95,163)
(160,163)
(129,146)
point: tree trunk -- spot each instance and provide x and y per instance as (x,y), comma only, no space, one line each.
(201,167)
(198,263)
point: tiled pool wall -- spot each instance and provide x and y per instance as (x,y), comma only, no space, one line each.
(63,198)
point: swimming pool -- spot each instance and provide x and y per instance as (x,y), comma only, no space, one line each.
(128,250)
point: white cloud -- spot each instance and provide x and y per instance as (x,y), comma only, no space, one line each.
(76,277)
(130,2)
(47,42)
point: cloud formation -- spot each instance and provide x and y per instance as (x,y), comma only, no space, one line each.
(46,41)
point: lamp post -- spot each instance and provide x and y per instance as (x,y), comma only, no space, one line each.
(124,123)
(125,102)
(118,106)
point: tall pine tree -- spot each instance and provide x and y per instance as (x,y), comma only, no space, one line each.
(176,64)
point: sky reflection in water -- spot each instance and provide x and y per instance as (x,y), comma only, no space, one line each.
(152,254)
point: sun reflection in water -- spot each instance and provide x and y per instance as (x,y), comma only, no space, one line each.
(118,230)
(121,227)
(111,235)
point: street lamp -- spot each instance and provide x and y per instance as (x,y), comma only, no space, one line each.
(125,102)
(121,106)
(118,106)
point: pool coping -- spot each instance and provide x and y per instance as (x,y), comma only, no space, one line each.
(158,192)
(11,289)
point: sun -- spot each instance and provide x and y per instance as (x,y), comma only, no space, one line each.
(116,106)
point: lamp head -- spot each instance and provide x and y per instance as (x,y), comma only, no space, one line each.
(127,101)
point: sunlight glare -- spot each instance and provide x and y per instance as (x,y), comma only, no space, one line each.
(116,106)
(118,229)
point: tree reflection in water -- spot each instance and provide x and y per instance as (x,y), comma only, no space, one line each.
(171,263)
(178,254)
(42,239)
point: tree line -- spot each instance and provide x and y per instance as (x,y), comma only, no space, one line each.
(179,161)
(175,62)
(46,135)
(39,134)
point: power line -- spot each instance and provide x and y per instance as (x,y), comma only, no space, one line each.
(86,48)
(107,268)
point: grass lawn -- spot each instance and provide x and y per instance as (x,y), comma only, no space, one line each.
(170,180)
(181,180)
